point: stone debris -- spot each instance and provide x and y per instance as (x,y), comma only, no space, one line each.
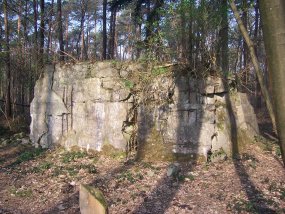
(173,170)
(92,201)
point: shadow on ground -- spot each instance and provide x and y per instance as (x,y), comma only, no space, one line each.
(255,196)
(162,195)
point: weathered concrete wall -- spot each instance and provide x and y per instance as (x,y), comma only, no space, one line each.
(167,113)
(80,105)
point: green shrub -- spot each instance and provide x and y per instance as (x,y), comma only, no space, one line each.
(129,84)
(28,155)
(71,156)
(21,192)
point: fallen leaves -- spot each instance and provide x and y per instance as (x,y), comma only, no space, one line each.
(49,182)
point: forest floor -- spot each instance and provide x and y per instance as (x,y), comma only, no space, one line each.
(47,181)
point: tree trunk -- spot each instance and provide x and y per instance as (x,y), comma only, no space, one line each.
(60,31)
(66,32)
(183,38)
(255,63)
(35,7)
(19,22)
(273,18)
(27,59)
(116,43)
(112,33)
(18,76)
(104,51)
(83,52)
(42,33)
(225,39)
(257,43)
(244,45)
(50,29)
(148,21)
(25,33)
(88,39)
(35,51)
(244,21)
(152,27)
(95,31)
(191,35)
(138,40)
(8,105)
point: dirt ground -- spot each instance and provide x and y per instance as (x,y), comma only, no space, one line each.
(47,181)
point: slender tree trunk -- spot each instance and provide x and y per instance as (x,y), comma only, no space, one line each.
(112,33)
(60,31)
(148,22)
(35,7)
(95,31)
(27,58)
(83,54)
(8,104)
(191,36)
(83,14)
(138,39)
(245,48)
(183,32)
(138,26)
(116,44)
(50,22)
(20,59)
(88,31)
(19,22)
(36,48)
(273,18)
(202,29)
(25,33)
(152,27)
(225,39)
(104,51)
(20,36)
(256,30)
(244,21)
(42,33)
(87,36)
(66,32)
(2,90)
(255,63)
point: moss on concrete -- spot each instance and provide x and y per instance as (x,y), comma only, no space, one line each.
(221,116)
(155,149)
(243,140)
(112,152)
(96,193)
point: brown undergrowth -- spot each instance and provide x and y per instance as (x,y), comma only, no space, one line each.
(47,181)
